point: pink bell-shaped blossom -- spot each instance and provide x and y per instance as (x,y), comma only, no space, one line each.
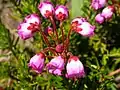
(32,18)
(74,68)
(26,30)
(61,12)
(56,65)
(99,18)
(77,21)
(46,8)
(85,29)
(97,4)
(37,62)
(23,31)
(107,12)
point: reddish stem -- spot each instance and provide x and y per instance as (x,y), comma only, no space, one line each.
(61,27)
(113,1)
(68,38)
(114,72)
(54,27)
(50,49)
(65,52)
(45,38)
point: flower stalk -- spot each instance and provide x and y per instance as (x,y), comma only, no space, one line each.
(54,28)
(61,28)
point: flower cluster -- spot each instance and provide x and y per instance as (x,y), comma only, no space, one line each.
(62,62)
(106,13)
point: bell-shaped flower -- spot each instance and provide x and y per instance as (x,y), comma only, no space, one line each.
(97,4)
(37,62)
(107,12)
(85,29)
(26,30)
(75,68)
(46,8)
(61,12)
(77,21)
(56,65)
(23,31)
(32,18)
(99,18)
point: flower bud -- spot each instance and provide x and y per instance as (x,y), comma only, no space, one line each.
(97,4)
(59,48)
(99,18)
(56,65)
(48,31)
(107,12)
(37,62)
(61,12)
(32,18)
(85,29)
(46,9)
(23,31)
(74,68)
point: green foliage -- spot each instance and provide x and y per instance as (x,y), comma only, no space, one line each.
(4,37)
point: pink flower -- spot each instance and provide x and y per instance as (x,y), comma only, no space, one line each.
(97,4)
(30,25)
(99,18)
(23,31)
(85,29)
(74,68)
(37,62)
(26,30)
(48,31)
(46,9)
(32,18)
(56,65)
(77,21)
(107,12)
(61,12)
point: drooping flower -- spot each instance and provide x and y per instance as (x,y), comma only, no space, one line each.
(61,12)
(48,31)
(99,18)
(46,8)
(85,29)
(23,31)
(37,62)
(107,12)
(26,30)
(74,68)
(32,18)
(77,21)
(56,65)
(30,25)
(97,4)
